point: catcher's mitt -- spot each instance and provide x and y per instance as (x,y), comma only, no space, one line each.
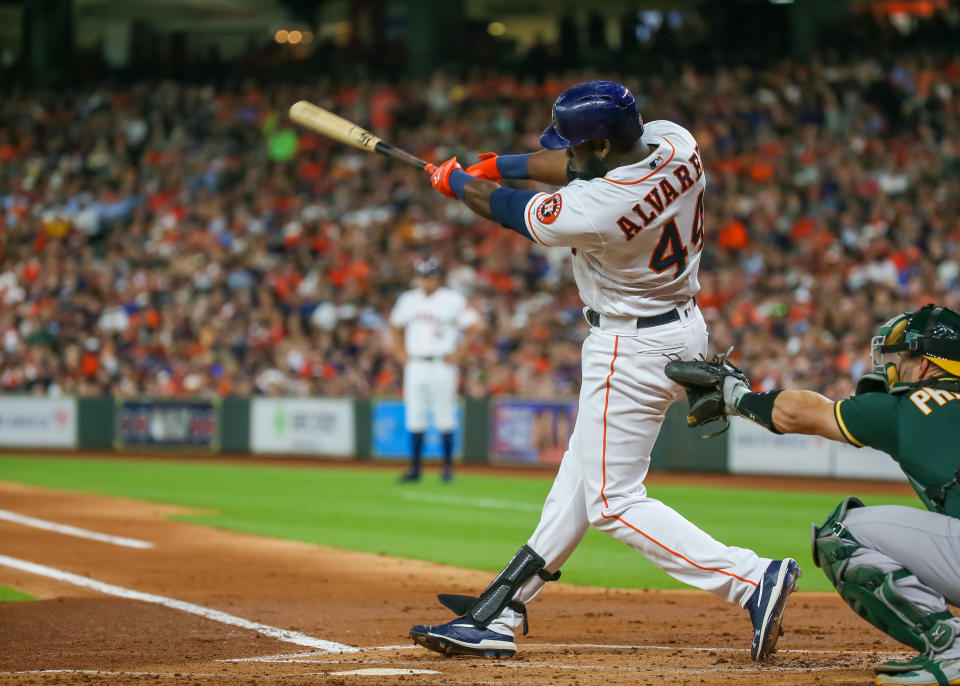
(703,382)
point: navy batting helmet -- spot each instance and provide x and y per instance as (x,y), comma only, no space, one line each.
(592,110)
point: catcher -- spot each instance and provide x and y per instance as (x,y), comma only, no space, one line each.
(896,566)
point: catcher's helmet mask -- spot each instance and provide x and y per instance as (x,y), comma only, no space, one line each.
(931,332)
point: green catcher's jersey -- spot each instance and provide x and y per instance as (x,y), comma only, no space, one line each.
(918,425)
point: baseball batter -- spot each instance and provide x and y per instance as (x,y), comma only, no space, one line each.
(431,326)
(896,566)
(632,214)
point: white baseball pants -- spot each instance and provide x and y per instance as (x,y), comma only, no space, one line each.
(623,398)
(430,385)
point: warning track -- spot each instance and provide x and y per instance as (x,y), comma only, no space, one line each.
(237,609)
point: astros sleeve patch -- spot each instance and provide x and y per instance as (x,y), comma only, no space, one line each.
(558,219)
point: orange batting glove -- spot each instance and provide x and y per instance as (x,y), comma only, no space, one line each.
(486,168)
(440,176)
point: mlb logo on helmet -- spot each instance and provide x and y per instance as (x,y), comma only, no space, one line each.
(549,209)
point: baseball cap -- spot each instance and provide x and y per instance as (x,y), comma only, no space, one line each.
(427,267)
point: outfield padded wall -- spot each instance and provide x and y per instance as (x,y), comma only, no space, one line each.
(677,449)
(95,423)
(235,424)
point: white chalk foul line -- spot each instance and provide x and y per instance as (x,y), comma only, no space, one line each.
(285,635)
(308,657)
(696,648)
(72,530)
(472,502)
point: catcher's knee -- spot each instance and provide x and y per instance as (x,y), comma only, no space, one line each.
(871,592)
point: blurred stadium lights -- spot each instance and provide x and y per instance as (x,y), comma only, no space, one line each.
(49,39)
(914,8)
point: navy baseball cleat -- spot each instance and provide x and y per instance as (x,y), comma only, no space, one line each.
(767,604)
(462,637)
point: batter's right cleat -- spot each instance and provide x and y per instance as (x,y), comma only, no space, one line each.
(409,478)
(767,605)
(463,637)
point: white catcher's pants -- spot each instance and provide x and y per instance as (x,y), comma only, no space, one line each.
(623,398)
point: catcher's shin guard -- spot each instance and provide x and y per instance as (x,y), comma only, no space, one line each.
(498,595)
(872,593)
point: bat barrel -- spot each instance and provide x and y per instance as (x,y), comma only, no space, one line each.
(339,129)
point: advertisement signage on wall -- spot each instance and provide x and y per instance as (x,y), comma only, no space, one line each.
(754,450)
(34,422)
(303,426)
(392,441)
(531,431)
(191,424)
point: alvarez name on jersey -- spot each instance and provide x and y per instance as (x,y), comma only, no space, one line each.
(637,232)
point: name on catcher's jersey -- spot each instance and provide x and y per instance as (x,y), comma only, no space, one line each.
(432,323)
(637,232)
(919,427)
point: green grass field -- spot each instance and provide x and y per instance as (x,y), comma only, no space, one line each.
(477,522)
(12,595)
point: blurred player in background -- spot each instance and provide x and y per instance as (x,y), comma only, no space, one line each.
(631,211)
(432,326)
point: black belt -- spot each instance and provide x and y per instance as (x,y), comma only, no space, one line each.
(643,322)
(422,358)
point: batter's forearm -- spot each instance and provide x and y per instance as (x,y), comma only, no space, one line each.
(548,166)
(492,201)
(476,196)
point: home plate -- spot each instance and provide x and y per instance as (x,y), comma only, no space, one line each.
(385,671)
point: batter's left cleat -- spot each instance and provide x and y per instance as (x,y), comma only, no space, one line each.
(767,605)
(463,637)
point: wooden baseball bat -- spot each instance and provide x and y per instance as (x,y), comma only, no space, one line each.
(339,129)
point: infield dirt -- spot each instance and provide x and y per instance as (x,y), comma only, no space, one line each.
(578,635)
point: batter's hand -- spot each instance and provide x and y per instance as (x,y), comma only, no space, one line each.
(486,168)
(708,386)
(440,176)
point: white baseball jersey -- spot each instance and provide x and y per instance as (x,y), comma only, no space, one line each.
(637,232)
(637,235)
(432,323)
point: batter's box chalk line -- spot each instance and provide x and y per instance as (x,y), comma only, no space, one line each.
(284,635)
(321,656)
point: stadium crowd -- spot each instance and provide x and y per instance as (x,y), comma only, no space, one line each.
(172,239)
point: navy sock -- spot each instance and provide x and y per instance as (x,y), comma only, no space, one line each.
(417,453)
(447,450)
